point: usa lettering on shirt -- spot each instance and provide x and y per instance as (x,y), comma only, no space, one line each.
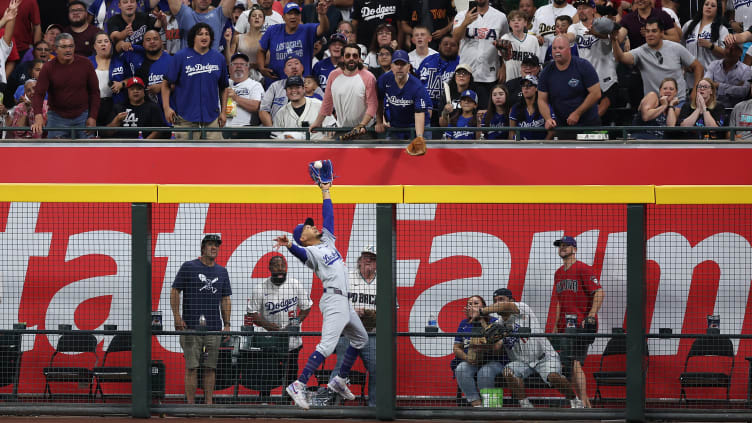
(481,33)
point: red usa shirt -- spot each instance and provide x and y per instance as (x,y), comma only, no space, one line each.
(574,291)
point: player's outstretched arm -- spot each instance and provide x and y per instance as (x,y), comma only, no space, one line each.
(300,253)
(327,210)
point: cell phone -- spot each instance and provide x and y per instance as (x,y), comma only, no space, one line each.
(472,5)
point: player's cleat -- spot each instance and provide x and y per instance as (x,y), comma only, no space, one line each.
(576,403)
(297,391)
(339,385)
(525,403)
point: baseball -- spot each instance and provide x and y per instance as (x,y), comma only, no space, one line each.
(317,164)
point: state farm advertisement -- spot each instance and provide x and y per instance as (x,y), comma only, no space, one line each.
(70,264)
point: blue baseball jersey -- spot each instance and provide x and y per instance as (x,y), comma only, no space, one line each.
(401,104)
(203,288)
(321,71)
(112,8)
(524,119)
(497,120)
(118,72)
(282,45)
(150,72)
(433,73)
(198,80)
(188,17)
(462,122)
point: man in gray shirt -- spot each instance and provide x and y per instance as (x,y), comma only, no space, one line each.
(730,76)
(658,59)
(741,115)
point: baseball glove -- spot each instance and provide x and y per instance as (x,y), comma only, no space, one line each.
(494,333)
(590,325)
(417,147)
(505,49)
(369,320)
(325,175)
(356,132)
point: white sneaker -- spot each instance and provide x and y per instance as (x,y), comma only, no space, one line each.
(297,391)
(525,403)
(339,385)
(576,403)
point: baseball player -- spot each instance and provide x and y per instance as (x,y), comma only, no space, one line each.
(527,355)
(274,305)
(578,293)
(363,297)
(317,250)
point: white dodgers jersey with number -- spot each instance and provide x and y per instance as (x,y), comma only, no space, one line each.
(526,350)
(598,52)
(544,24)
(477,47)
(325,260)
(279,304)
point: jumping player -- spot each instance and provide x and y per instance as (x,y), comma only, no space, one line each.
(317,250)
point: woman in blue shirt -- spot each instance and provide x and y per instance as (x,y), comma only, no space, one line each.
(526,113)
(497,114)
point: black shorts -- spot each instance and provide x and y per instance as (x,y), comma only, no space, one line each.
(612,94)
(574,348)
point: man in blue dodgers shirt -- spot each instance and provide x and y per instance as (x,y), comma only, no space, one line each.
(437,69)
(198,76)
(292,38)
(215,18)
(403,100)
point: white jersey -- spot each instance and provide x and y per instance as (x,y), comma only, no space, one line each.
(703,55)
(527,350)
(526,47)
(362,293)
(250,90)
(287,118)
(242,25)
(326,261)
(598,52)
(477,47)
(742,11)
(416,59)
(544,22)
(279,304)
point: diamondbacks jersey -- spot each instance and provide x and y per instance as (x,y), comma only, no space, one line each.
(574,289)
(203,287)
(544,22)
(282,45)
(521,49)
(279,304)
(198,79)
(433,73)
(598,52)
(401,104)
(526,350)
(326,261)
(477,47)
(362,294)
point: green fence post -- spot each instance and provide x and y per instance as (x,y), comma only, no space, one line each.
(386,392)
(141,309)
(636,247)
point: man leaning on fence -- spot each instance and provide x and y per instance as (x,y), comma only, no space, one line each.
(205,287)
(579,296)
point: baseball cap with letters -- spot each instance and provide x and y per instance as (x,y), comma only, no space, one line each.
(469,94)
(400,56)
(566,240)
(289,7)
(134,81)
(299,229)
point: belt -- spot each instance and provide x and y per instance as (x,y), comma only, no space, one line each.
(335,291)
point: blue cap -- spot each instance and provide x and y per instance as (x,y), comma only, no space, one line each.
(292,6)
(469,94)
(400,55)
(299,230)
(503,292)
(590,3)
(338,37)
(566,240)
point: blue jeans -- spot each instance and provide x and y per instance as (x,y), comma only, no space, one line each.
(368,355)
(466,374)
(54,120)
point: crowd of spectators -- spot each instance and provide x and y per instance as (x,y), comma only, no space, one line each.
(411,64)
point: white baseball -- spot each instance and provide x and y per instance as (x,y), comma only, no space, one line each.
(317,164)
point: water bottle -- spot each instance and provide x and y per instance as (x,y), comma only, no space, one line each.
(248,318)
(140,135)
(172,135)
(202,322)
(433,324)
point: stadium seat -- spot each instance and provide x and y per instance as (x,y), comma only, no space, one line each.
(71,343)
(10,360)
(113,374)
(612,369)
(715,346)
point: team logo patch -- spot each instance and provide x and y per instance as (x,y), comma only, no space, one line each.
(573,82)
